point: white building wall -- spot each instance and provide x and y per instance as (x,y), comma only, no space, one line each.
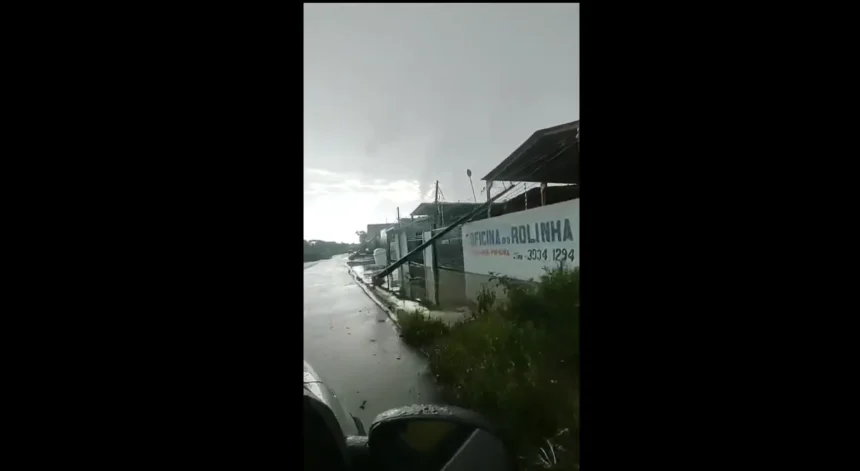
(522,244)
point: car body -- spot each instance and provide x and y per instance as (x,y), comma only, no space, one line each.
(315,386)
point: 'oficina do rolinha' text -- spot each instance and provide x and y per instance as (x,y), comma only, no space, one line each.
(539,232)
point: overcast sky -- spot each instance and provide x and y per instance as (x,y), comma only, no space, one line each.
(397,96)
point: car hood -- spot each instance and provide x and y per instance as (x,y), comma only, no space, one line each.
(314,384)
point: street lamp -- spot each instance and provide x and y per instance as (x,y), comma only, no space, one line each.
(469,174)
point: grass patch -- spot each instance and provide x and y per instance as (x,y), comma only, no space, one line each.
(419,330)
(516,360)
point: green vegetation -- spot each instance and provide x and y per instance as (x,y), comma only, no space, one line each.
(517,362)
(320,249)
(419,330)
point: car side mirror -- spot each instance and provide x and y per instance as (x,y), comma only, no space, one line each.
(436,438)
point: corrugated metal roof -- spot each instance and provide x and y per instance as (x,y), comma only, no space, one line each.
(550,155)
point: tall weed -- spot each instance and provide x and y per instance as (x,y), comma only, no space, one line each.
(515,361)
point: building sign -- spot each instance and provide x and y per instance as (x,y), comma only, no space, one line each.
(522,244)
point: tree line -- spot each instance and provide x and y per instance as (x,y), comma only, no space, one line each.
(321,249)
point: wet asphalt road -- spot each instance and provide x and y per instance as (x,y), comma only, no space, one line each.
(353,346)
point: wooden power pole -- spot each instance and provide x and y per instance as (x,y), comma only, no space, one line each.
(435,264)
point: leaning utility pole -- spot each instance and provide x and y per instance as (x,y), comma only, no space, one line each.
(444,231)
(436,205)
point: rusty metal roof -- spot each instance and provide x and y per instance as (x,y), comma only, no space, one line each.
(550,155)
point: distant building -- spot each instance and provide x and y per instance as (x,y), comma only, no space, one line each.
(374,230)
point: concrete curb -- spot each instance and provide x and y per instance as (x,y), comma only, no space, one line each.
(373,297)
